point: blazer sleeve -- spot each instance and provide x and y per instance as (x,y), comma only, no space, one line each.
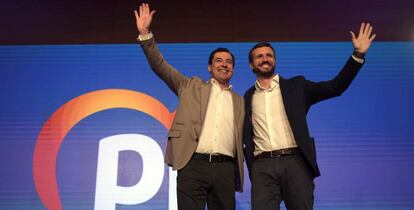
(318,91)
(171,76)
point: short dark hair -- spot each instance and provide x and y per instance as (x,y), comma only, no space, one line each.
(220,49)
(258,45)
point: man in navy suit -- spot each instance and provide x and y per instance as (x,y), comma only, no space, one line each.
(279,152)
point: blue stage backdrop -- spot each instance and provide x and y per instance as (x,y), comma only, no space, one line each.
(84,126)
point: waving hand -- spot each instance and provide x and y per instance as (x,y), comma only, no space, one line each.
(364,39)
(143,18)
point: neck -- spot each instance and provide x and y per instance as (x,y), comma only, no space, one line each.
(265,82)
(224,85)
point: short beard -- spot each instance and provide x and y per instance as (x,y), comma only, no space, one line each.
(266,75)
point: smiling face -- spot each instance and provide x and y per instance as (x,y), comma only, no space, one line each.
(263,61)
(221,67)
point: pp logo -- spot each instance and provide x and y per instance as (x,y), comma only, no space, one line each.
(107,193)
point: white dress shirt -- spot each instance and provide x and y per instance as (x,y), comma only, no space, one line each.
(270,123)
(217,134)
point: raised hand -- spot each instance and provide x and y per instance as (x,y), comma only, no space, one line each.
(144,18)
(364,39)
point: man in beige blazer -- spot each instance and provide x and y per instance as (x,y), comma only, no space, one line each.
(205,139)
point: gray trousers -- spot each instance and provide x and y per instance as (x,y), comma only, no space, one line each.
(284,178)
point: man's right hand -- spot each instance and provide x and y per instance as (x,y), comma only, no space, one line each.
(143,19)
(364,39)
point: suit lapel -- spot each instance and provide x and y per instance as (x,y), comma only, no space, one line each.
(285,89)
(248,101)
(204,95)
(248,112)
(236,114)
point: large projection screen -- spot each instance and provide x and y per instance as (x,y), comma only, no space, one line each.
(64,101)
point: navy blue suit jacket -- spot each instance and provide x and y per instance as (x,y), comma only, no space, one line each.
(298,96)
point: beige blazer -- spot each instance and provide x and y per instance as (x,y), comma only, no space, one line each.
(193,94)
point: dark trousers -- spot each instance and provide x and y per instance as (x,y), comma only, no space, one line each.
(201,182)
(284,178)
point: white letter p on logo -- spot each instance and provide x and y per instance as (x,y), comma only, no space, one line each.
(108,193)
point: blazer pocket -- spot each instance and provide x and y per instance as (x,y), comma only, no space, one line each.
(174,134)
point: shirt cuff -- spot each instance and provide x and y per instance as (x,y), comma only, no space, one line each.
(145,37)
(359,60)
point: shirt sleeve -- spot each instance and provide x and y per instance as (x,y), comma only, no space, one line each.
(145,37)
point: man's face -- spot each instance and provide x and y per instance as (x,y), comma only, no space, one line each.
(221,67)
(263,61)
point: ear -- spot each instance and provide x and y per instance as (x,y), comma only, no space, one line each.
(209,68)
(251,65)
